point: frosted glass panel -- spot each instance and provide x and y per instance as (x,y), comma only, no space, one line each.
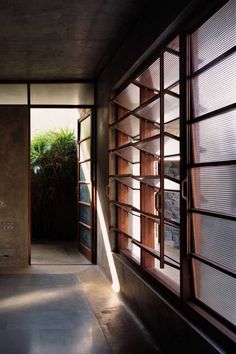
(85,214)
(172,242)
(214,188)
(134,228)
(85,236)
(215,88)
(13,94)
(151,111)
(174,44)
(171,146)
(150,146)
(151,77)
(129,153)
(217,290)
(129,98)
(85,192)
(173,127)
(171,169)
(84,150)
(214,238)
(60,94)
(168,184)
(215,36)
(85,128)
(171,108)
(172,205)
(171,69)
(85,171)
(129,126)
(215,138)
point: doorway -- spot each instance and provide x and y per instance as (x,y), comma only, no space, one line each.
(61,186)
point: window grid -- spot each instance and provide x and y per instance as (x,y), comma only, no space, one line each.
(144,192)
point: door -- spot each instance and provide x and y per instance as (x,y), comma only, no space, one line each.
(85,187)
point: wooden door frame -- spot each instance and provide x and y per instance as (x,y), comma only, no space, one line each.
(91,112)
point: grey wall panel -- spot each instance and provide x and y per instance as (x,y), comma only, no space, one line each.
(14,221)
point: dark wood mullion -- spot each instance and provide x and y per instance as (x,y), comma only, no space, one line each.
(161,164)
(170,93)
(172,51)
(214,62)
(186,285)
(212,114)
(149,250)
(85,225)
(213,214)
(126,112)
(122,190)
(214,265)
(212,163)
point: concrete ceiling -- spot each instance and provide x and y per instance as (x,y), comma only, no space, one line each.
(62,39)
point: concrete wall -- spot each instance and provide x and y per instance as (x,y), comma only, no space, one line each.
(14,221)
(170,326)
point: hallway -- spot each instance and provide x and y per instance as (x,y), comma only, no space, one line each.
(56,253)
(66,310)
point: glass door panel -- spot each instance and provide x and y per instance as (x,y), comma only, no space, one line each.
(85,190)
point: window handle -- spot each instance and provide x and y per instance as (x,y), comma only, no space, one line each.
(108,191)
(157,201)
(184,189)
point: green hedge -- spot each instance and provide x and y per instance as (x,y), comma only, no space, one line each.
(53,166)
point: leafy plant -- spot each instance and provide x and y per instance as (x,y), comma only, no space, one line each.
(53,166)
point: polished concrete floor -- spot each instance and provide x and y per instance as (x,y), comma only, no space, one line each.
(56,253)
(66,310)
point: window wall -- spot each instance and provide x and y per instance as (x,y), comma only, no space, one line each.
(173,166)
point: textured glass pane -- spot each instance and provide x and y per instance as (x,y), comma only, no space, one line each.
(215,87)
(153,182)
(84,150)
(85,192)
(174,44)
(129,182)
(134,250)
(151,77)
(168,184)
(171,69)
(217,290)
(215,36)
(134,228)
(171,146)
(13,94)
(172,205)
(171,108)
(214,188)
(151,111)
(129,126)
(171,169)
(85,128)
(71,94)
(215,239)
(215,138)
(129,153)
(173,127)
(172,242)
(85,236)
(85,171)
(151,146)
(175,89)
(129,98)
(85,214)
